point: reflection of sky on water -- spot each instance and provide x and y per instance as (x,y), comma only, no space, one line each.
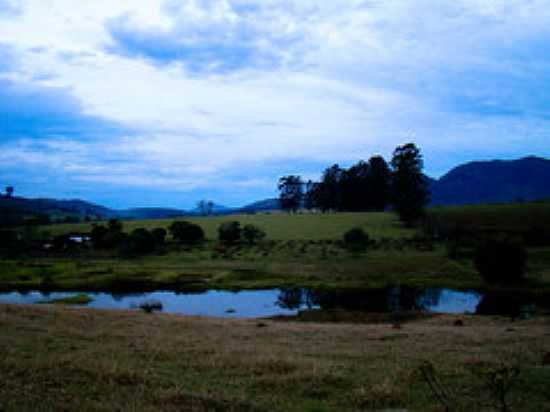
(449,301)
(258,303)
(246,304)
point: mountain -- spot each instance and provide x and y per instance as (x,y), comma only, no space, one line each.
(150,213)
(262,206)
(495,181)
(53,207)
(59,209)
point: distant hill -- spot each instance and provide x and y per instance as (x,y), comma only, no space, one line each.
(496,181)
(150,213)
(78,208)
(262,206)
(54,208)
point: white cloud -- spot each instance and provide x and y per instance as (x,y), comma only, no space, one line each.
(344,79)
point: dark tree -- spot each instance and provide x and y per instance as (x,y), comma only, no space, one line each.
(159,234)
(115,225)
(311,195)
(356,239)
(330,191)
(141,241)
(230,232)
(378,184)
(9,192)
(501,261)
(252,234)
(291,192)
(186,232)
(410,191)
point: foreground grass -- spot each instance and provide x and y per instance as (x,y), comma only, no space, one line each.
(56,358)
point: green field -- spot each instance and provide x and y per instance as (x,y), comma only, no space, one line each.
(59,358)
(278,226)
(302,250)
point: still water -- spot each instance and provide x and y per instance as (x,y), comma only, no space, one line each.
(273,302)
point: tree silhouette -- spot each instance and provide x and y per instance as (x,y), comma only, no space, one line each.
(410,191)
(291,192)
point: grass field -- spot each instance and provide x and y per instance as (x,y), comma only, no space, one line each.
(515,217)
(279,226)
(55,358)
(300,250)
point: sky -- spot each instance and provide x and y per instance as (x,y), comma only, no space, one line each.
(135,103)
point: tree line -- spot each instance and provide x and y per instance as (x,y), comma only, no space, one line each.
(373,185)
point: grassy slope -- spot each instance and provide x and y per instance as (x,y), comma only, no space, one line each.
(66,359)
(279,226)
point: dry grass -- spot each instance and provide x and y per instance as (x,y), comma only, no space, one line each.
(56,358)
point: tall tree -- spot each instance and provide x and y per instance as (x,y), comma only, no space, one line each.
(378,184)
(291,192)
(330,190)
(410,191)
(311,195)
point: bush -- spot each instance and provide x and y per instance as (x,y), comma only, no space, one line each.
(160,236)
(187,233)
(356,239)
(501,261)
(107,238)
(230,232)
(252,234)
(142,241)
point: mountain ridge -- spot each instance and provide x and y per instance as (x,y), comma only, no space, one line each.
(476,182)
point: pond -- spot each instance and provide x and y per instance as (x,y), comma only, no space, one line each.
(277,302)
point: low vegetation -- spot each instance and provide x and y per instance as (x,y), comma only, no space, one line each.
(67,359)
(276,250)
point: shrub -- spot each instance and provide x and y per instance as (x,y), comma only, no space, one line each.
(142,241)
(115,225)
(356,239)
(107,238)
(252,234)
(186,232)
(151,306)
(160,236)
(501,261)
(230,232)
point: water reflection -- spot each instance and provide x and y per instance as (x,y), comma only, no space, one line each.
(383,300)
(274,302)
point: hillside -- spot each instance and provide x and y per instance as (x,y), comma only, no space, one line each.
(497,181)
(53,207)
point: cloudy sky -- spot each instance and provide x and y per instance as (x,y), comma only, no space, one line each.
(144,103)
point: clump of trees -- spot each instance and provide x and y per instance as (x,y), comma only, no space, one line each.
(366,186)
(139,241)
(187,233)
(231,233)
(252,234)
(501,260)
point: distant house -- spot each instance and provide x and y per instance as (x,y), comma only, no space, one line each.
(80,238)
